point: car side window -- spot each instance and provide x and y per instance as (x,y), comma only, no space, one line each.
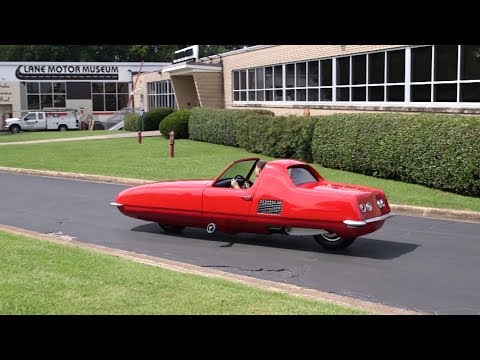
(300,175)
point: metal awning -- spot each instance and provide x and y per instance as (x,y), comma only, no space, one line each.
(187,68)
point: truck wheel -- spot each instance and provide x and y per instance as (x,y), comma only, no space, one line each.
(63,128)
(332,241)
(15,129)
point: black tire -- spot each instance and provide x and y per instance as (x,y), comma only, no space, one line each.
(63,128)
(332,241)
(15,129)
(172,229)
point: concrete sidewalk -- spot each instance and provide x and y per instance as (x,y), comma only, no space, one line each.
(94,137)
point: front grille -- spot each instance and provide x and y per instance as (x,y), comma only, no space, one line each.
(273,207)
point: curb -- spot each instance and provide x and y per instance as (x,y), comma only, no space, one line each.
(443,214)
(371,307)
(76,176)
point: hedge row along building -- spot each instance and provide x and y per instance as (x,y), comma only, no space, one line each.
(323,78)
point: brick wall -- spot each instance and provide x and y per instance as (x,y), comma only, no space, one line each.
(142,87)
(209,88)
(185,91)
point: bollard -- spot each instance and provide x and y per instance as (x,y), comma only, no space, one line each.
(171,142)
(139,136)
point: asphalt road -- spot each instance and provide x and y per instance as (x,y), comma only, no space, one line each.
(414,263)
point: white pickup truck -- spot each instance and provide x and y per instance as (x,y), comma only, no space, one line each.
(44,120)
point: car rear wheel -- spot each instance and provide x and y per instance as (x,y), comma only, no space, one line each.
(63,128)
(331,241)
(173,229)
(15,129)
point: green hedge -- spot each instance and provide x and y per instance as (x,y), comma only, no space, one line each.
(177,122)
(218,126)
(153,117)
(262,112)
(132,121)
(438,151)
(277,136)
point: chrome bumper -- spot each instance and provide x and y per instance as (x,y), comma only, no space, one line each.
(357,223)
(116,204)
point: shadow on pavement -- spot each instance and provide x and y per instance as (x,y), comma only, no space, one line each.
(363,247)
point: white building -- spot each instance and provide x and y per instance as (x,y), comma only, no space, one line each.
(99,88)
(325,78)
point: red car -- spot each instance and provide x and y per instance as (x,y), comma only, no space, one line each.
(288,197)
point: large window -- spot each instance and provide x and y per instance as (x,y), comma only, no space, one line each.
(160,94)
(395,86)
(470,70)
(343,79)
(45,94)
(359,78)
(443,75)
(109,96)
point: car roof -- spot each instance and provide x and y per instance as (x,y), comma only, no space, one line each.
(285,163)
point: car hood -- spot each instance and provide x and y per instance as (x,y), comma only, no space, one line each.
(150,195)
(178,184)
(160,187)
(10,120)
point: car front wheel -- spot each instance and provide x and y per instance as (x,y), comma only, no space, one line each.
(331,241)
(15,129)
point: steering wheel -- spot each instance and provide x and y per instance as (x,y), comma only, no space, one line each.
(240,180)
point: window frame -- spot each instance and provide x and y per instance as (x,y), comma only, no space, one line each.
(393,92)
(160,94)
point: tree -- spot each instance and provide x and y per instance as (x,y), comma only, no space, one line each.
(134,53)
(207,50)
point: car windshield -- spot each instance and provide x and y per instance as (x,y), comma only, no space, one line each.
(243,168)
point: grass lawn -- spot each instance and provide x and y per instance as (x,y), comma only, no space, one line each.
(42,135)
(193,160)
(40,277)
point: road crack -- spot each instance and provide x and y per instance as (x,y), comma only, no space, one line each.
(243,269)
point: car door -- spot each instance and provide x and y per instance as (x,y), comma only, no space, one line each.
(227,201)
(227,207)
(40,122)
(30,121)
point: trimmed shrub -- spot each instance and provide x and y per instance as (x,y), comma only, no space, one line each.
(288,137)
(132,122)
(216,126)
(177,122)
(263,112)
(435,150)
(153,117)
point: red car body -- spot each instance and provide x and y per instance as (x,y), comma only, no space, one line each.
(288,196)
